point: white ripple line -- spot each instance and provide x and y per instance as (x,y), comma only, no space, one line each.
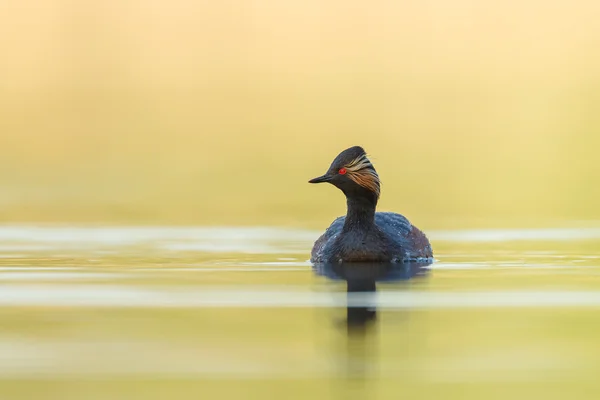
(284,297)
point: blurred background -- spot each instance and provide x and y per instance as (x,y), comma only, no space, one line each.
(156,220)
(201,112)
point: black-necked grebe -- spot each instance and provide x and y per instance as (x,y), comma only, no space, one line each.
(364,235)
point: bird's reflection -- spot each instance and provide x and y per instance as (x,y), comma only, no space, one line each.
(361,280)
(361,307)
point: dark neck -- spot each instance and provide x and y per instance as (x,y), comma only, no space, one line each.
(361,213)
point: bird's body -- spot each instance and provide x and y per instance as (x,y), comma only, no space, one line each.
(394,239)
(364,235)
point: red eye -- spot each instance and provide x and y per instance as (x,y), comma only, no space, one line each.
(342,171)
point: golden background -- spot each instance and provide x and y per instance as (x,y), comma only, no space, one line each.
(218,112)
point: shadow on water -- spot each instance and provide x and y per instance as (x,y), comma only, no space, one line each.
(361,319)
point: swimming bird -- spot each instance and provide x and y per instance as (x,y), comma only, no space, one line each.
(364,235)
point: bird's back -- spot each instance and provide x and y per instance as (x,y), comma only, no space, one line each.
(411,242)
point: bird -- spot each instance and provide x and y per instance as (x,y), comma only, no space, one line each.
(364,234)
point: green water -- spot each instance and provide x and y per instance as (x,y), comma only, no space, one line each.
(232,313)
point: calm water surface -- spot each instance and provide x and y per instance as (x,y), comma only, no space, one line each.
(233,313)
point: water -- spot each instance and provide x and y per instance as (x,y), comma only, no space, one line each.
(159,312)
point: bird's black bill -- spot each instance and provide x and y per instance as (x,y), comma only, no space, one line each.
(320,179)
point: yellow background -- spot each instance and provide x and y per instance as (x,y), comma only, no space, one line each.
(218,112)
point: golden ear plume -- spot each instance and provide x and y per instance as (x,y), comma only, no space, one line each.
(361,171)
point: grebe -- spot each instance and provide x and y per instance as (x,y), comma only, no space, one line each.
(364,235)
